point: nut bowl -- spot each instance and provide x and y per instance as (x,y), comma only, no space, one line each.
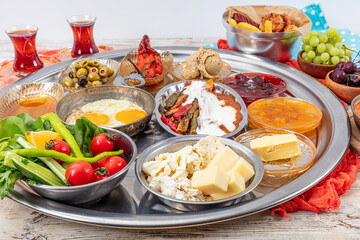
(76,100)
(176,143)
(126,67)
(275,46)
(108,62)
(93,191)
(166,91)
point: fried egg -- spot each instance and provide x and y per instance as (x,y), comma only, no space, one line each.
(109,113)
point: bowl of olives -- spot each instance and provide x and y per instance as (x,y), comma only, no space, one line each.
(89,72)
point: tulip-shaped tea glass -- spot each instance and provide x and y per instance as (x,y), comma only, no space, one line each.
(26,58)
(82,27)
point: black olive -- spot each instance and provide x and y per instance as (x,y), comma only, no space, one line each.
(82,81)
(71,75)
(103,82)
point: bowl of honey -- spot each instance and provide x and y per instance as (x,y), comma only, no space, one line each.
(33,98)
(285,113)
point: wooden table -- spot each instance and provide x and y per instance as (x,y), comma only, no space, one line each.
(18,222)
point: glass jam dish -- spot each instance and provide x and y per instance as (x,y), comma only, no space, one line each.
(286,113)
(283,167)
(254,86)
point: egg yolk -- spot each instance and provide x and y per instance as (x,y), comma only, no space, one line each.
(130,115)
(98,119)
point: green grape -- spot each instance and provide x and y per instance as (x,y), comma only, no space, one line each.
(341,52)
(328,46)
(347,46)
(345,59)
(314,41)
(305,39)
(325,56)
(335,60)
(338,45)
(334,51)
(314,33)
(311,54)
(325,63)
(303,55)
(308,48)
(323,37)
(303,47)
(308,59)
(348,53)
(317,60)
(321,48)
(337,38)
(331,32)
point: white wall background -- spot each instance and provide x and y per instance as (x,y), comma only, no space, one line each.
(130,19)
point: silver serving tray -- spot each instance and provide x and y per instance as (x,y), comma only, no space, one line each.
(131,206)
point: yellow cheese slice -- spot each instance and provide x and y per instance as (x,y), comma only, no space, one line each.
(224,159)
(236,185)
(210,180)
(276,147)
(245,169)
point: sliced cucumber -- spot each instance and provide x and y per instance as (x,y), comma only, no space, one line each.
(35,171)
(8,159)
(50,162)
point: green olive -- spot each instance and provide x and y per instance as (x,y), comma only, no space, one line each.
(96,83)
(104,71)
(93,77)
(105,79)
(84,63)
(94,70)
(111,72)
(94,63)
(77,65)
(88,68)
(75,80)
(89,84)
(68,82)
(81,72)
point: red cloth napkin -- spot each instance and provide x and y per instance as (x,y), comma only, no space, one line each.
(324,195)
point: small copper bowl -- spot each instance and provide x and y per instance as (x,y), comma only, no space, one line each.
(315,70)
(345,93)
(126,67)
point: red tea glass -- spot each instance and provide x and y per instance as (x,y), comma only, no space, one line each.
(82,27)
(26,58)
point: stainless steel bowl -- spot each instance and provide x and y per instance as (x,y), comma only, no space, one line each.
(354,102)
(175,144)
(166,91)
(76,100)
(275,46)
(96,190)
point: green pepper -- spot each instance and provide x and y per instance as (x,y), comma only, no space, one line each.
(64,133)
(36,152)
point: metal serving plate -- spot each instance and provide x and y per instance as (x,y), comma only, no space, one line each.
(130,206)
(166,92)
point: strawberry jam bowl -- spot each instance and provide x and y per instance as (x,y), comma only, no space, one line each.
(254,86)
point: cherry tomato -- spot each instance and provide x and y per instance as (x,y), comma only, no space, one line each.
(114,164)
(79,173)
(59,146)
(99,163)
(100,174)
(102,143)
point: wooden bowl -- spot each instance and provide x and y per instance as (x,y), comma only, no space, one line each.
(315,70)
(354,102)
(345,93)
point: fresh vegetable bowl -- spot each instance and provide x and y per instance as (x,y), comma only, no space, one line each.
(39,169)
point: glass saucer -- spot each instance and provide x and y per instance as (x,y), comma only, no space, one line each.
(284,167)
